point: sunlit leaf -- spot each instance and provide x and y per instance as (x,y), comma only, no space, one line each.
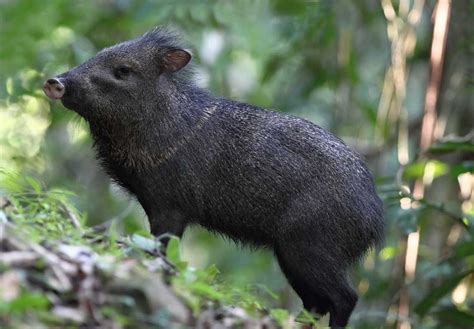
(388,253)
(9,86)
(28,301)
(280,315)
(36,185)
(212,271)
(306,317)
(206,290)
(172,250)
(417,169)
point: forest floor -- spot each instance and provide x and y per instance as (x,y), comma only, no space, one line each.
(56,272)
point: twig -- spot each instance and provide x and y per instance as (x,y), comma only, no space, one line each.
(4,202)
(72,217)
(438,46)
(18,258)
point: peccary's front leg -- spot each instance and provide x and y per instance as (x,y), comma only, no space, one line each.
(167,223)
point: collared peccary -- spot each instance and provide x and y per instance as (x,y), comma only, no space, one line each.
(260,177)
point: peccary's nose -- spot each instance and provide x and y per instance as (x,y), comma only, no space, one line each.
(53,88)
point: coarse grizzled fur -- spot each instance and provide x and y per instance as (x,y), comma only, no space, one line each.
(258,176)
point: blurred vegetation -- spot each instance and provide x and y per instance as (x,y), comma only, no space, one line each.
(335,63)
(57,273)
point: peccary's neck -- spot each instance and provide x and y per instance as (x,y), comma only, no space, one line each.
(158,128)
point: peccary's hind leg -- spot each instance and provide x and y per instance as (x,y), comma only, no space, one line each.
(343,301)
(313,301)
(319,281)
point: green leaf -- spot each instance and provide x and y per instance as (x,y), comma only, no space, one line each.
(465,249)
(144,243)
(414,170)
(451,146)
(181,265)
(268,291)
(455,317)
(9,86)
(29,301)
(10,181)
(388,252)
(211,272)
(464,166)
(437,293)
(36,185)
(172,250)
(280,315)
(295,7)
(206,290)
(468,220)
(417,169)
(308,318)
(131,225)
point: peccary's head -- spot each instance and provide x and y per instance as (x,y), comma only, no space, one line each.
(123,81)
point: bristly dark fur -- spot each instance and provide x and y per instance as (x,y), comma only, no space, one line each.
(257,176)
(164,37)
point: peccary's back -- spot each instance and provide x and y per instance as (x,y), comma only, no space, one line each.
(259,175)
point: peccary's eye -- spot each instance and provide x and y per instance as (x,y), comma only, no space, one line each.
(122,72)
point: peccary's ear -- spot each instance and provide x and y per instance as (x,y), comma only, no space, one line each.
(175,59)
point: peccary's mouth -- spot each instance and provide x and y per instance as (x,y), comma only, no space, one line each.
(73,103)
(69,103)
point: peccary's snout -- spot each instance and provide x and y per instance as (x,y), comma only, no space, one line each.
(54,88)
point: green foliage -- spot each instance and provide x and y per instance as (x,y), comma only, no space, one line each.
(439,292)
(321,60)
(453,317)
(280,315)
(39,213)
(172,251)
(127,267)
(452,145)
(24,302)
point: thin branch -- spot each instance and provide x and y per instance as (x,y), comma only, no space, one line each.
(72,217)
